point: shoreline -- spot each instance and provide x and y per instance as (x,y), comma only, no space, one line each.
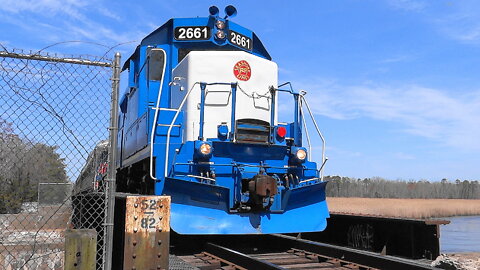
(404,208)
(463,261)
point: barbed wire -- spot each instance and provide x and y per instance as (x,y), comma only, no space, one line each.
(45,104)
(109,48)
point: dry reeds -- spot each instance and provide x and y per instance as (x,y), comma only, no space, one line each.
(404,208)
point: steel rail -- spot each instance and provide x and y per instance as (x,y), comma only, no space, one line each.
(293,253)
(349,254)
(239,258)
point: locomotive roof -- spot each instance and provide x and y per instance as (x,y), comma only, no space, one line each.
(164,35)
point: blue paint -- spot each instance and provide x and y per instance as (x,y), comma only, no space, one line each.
(208,215)
(211,193)
(187,219)
(222,132)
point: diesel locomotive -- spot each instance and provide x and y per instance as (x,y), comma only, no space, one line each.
(199,122)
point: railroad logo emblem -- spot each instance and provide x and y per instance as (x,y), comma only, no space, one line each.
(242,70)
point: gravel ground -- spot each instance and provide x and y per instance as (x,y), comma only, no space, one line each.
(458,261)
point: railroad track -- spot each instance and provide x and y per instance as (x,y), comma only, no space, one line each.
(286,252)
(291,259)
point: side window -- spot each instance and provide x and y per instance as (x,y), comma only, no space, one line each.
(155,64)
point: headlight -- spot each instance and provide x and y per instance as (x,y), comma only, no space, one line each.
(301,154)
(220,34)
(205,149)
(220,24)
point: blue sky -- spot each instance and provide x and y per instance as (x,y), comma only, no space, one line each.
(394,84)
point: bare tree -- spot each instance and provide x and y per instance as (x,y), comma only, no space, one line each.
(377,187)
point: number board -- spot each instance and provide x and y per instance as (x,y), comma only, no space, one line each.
(240,40)
(192,33)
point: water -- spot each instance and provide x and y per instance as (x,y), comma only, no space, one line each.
(461,235)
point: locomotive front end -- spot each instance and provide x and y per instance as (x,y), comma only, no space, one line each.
(240,167)
(200,122)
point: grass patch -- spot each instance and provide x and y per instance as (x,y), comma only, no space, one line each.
(404,208)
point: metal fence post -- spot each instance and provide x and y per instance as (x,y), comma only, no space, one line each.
(110,194)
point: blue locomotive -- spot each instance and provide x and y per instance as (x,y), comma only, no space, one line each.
(199,123)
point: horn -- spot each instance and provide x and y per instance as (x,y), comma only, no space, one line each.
(231,11)
(213,11)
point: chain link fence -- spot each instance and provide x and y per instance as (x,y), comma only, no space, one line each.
(55,114)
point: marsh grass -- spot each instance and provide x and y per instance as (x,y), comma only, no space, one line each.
(404,208)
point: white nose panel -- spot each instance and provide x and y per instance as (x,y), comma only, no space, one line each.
(253,74)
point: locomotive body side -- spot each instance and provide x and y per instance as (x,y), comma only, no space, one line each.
(199,123)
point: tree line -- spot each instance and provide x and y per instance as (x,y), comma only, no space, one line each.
(23,165)
(377,187)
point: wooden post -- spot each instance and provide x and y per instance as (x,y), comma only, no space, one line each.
(80,249)
(147,232)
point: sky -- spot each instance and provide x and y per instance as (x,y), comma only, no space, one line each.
(394,84)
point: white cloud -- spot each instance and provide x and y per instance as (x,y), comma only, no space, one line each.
(63,20)
(45,7)
(458,20)
(284,71)
(397,59)
(449,118)
(461,25)
(108,13)
(408,5)
(338,151)
(404,156)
